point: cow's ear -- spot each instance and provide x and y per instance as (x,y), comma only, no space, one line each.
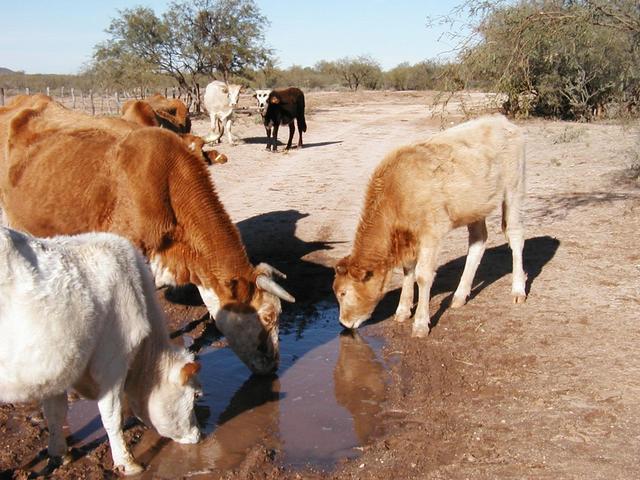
(359,273)
(342,266)
(187,371)
(274,100)
(241,290)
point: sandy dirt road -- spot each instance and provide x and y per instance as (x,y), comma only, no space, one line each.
(548,389)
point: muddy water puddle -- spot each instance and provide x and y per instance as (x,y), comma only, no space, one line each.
(319,408)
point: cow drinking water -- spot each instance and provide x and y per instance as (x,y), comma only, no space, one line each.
(80,312)
(417,195)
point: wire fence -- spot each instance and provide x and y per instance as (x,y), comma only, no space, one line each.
(90,101)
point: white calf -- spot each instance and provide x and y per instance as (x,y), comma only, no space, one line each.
(80,312)
(220,100)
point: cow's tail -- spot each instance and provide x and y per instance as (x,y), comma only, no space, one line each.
(302,124)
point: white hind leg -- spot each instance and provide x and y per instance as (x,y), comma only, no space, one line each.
(513,230)
(477,245)
(55,412)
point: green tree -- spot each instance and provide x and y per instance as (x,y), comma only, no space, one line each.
(194,38)
(362,70)
(562,58)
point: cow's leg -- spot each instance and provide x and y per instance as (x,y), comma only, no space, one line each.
(55,412)
(110,406)
(477,245)
(268,130)
(513,230)
(228,128)
(425,272)
(292,131)
(274,138)
(403,312)
(299,134)
(216,130)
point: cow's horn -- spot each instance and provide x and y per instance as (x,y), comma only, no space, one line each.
(265,267)
(269,285)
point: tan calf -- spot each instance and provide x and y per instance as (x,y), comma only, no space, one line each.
(416,196)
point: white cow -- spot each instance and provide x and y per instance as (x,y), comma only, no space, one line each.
(220,99)
(261,97)
(80,312)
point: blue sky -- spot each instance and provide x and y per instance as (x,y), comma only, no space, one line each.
(58,36)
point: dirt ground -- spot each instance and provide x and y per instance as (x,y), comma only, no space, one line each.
(548,389)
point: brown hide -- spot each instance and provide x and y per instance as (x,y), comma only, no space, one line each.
(169,113)
(62,172)
(142,113)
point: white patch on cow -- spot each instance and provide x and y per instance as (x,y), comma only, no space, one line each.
(210,299)
(261,97)
(161,274)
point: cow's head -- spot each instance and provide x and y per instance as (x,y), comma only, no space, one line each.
(168,405)
(249,320)
(262,96)
(358,291)
(197,146)
(233,94)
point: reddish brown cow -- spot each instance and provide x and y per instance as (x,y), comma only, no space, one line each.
(63,172)
(170,113)
(142,113)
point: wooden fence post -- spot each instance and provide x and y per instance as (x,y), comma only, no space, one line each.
(62,94)
(117,102)
(48,92)
(82,99)
(1,96)
(73,98)
(26,90)
(93,107)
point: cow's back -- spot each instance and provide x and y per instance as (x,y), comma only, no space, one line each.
(65,174)
(460,175)
(55,178)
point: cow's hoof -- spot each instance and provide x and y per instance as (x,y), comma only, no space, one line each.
(402,316)
(129,469)
(458,301)
(519,297)
(420,331)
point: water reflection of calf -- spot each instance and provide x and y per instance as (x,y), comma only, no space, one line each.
(359,383)
(250,419)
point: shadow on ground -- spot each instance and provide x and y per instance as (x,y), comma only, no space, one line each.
(496,263)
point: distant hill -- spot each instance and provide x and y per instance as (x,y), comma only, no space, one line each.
(5,71)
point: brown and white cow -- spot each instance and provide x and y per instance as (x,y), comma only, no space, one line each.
(284,106)
(63,172)
(417,195)
(142,113)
